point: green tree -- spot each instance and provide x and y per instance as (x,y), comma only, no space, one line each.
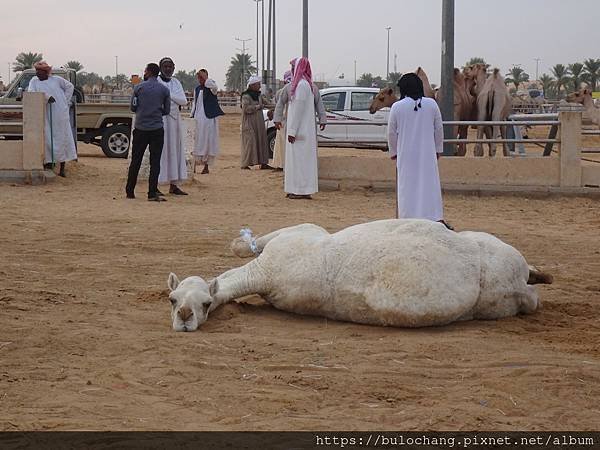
(75,65)
(240,69)
(576,70)
(25,61)
(561,74)
(188,79)
(475,60)
(592,72)
(547,85)
(394,77)
(89,79)
(516,76)
(368,80)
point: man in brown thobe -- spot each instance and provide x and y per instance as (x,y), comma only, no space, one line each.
(254,133)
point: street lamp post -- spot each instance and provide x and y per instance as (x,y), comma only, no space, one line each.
(117,71)
(305,28)
(354,72)
(257,38)
(537,65)
(8,73)
(387,70)
(243,49)
(447,78)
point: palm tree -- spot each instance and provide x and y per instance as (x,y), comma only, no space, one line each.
(475,60)
(547,85)
(240,69)
(576,70)
(592,72)
(188,79)
(561,73)
(516,76)
(25,61)
(368,80)
(90,79)
(394,77)
(75,65)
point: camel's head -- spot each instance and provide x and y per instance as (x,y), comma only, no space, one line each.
(385,98)
(190,302)
(579,96)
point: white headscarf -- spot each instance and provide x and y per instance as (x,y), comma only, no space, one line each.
(253,79)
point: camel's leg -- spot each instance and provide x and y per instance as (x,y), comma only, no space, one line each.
(479,145)
(463,132)
(242,248)
(239,282)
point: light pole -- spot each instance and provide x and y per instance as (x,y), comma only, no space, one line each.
(305,28)
(243,49)
(354,72)
(257,39)
(117,71)
(537,65)
(387,70)
(8,73)
(447,76)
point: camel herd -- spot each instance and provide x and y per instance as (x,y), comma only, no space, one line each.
(477,96)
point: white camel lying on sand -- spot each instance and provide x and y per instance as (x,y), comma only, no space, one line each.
(404,273)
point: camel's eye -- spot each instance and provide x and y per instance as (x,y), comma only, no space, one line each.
(206,305)
(173,300)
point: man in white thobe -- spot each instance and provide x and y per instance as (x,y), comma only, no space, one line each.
(300,170)
(206,110)
(415,138)
(60,143)
(173,167)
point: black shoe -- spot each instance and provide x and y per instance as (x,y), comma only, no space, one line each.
(157,198)
(447,225)
(177,191)
(48,166)
(159,193)
(130,195)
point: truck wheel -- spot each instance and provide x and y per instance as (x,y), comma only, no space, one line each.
(271,135)
(115,141)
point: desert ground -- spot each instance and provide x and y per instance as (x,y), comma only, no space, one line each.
(85,329)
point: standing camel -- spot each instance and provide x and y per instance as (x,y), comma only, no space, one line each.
(493,103)
(584,96)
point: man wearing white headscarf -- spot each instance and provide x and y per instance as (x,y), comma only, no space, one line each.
(254,133)
(279,149)
(60,143)
(173,168)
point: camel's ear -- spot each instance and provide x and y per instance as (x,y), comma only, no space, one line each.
(390,91)
(213,287)
(173,281)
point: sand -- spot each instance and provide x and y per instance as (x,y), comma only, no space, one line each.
(86,340)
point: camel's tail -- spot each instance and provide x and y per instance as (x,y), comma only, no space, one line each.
(538,277)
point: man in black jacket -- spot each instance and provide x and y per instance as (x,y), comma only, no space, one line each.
(150,102)
(206,110)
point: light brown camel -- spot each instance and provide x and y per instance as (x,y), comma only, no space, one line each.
(584,96)
(493,103)
(387,97)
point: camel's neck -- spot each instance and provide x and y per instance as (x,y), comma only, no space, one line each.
(235,283)
(588,103)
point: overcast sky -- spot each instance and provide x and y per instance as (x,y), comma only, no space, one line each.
(503,32)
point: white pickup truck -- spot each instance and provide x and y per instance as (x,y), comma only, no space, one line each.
(349,123)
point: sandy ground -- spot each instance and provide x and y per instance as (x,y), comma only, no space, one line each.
(86,339)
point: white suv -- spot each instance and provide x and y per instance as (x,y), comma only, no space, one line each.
(349,123)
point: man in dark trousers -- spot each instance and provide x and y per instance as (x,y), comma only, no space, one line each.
(150,102)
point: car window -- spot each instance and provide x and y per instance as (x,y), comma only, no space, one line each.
(334,101)
(360,101)
(23,83)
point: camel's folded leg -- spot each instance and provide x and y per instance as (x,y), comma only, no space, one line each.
(245,247)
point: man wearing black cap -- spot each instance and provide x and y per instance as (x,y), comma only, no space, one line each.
(150,102)
(415,139)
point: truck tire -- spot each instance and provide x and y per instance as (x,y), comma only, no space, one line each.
(116,141)
(271,135)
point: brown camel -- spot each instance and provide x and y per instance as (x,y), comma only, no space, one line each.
(384,99)
(493,103)
(584,96)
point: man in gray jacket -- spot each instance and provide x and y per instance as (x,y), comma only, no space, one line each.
(150,102)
